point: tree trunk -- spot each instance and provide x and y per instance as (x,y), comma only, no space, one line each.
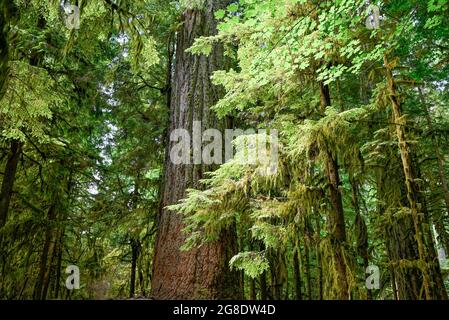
(360,231)
(8,180)
(400,244)
(442,218)
(278,270)
(135,251)
(263,286)
(39,288)
(422,230)
(307,269)
(56,288)
(241,248)
(318,256)
(336,222)
(8,14)
(252,281)
(201,273)
(440,160)
(252,289)
(297,274)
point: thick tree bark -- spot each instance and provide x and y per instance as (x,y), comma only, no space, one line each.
(199,273)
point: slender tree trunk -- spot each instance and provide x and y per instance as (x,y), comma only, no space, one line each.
(275,283)
(43,264)
(263,286)
(297,274)
(361,231)
(199,273)
(51,269)
(135,251)
(8,179)
(252,281)
(241,248)
(318,256)
(435,270)
(58,266)
(336,222)
(287,285)
(49,253)
(307,270)
(278,269)
(252,290)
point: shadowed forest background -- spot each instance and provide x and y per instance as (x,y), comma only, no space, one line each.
(358,91)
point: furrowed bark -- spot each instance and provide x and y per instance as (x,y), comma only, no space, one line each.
(199,273)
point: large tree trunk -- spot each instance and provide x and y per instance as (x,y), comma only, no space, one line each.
(199,273)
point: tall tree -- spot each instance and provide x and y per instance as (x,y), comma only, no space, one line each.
(203,272)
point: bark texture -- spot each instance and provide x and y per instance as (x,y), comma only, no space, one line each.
(336,220)
(200,273)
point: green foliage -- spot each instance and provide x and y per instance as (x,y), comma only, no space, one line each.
(253,263)
(284,51)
